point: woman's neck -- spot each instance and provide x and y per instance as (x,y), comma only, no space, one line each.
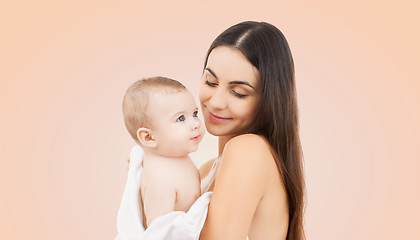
(222,142)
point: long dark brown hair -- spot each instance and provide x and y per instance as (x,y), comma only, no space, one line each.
(267,49)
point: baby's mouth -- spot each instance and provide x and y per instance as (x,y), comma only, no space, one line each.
(197,137)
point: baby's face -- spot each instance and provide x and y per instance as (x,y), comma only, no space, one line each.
(175,124)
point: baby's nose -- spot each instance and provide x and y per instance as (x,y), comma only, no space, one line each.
(196,124)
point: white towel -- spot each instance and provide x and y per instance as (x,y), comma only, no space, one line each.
(174,225)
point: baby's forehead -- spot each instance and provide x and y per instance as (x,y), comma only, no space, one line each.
(168,102)
(167,91)
(163,96)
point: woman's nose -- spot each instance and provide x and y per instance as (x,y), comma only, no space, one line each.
(217,100)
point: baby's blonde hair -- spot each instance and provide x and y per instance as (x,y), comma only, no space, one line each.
(137,101)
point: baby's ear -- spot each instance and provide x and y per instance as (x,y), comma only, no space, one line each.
(145,137)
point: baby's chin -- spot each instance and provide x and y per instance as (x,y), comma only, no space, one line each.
(194,149)
(184,154)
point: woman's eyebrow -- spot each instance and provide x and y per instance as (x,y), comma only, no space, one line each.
(232,82)
(242,82)
(211,72)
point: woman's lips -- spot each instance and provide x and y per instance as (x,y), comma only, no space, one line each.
(217,119)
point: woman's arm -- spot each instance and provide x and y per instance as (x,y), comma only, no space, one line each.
(239,187)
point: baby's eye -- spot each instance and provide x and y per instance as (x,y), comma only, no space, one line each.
(181,118)
(195,114)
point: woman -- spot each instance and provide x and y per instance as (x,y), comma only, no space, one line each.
(248,100)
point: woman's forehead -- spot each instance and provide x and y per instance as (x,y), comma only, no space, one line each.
(231,64)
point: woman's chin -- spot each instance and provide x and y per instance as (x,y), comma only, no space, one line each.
(218,131)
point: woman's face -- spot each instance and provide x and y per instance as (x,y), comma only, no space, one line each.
(229,92)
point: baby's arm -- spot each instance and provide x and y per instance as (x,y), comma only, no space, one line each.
(158,198)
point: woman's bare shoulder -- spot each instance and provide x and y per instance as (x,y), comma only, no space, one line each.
(249,138)
(249,156)
(249,144)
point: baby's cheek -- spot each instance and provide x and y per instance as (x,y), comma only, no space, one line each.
(174,136)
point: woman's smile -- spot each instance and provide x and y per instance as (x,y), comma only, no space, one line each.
(217,119)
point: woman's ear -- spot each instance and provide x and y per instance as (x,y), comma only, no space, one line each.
(145,137)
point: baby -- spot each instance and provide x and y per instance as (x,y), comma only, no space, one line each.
(161,115)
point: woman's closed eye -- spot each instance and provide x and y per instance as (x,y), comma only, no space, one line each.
(238,94)
(210,84)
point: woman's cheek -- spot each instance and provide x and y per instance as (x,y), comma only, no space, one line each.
(249,109)
(203,94)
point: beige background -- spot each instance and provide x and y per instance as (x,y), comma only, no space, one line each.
(65,67)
